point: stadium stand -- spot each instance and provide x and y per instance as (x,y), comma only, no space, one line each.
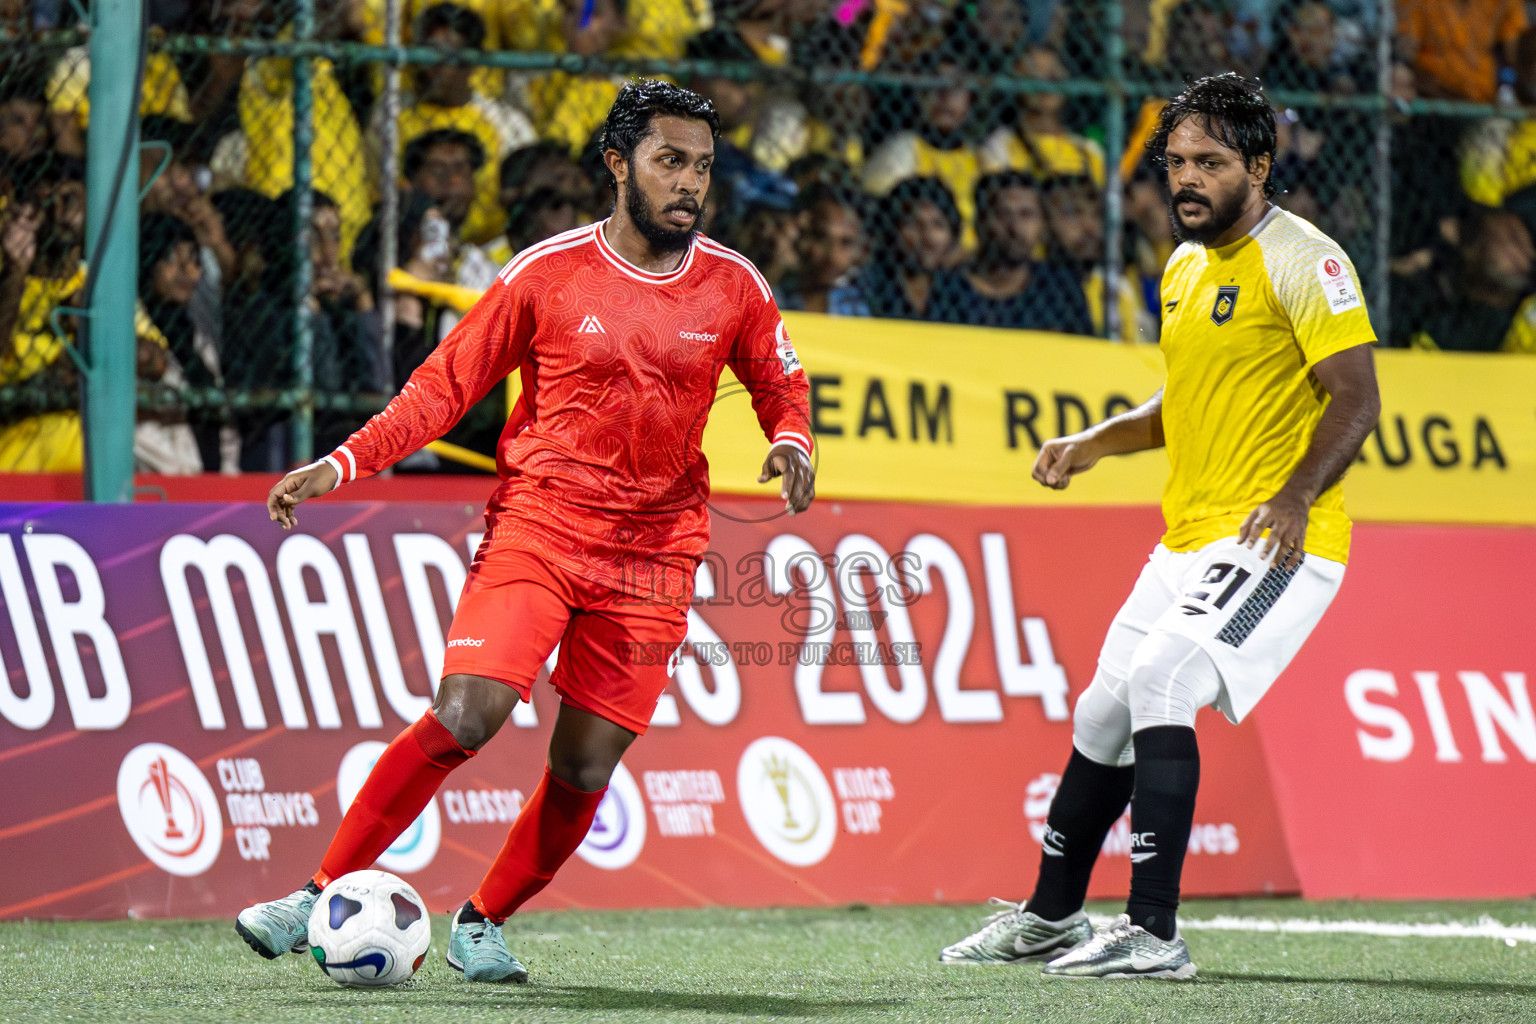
(861,151)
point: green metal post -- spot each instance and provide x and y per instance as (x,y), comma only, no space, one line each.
(1114,146)
(112,149)
(301,437)
(1381,280)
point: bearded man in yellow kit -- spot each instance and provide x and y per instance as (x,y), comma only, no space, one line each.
(1271,390)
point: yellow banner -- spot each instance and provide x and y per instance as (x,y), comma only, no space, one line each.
(922,412)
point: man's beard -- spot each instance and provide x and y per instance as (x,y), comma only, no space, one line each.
(662,238)
(1222,217)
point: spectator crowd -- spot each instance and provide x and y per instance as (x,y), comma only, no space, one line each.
(959,183)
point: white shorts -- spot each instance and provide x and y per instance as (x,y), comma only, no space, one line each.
(1249,616)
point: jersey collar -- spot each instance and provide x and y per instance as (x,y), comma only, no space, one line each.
(635,272)
(1274,211)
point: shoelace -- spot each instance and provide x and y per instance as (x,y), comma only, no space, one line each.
(999,919)
(476,932)
(1121,929)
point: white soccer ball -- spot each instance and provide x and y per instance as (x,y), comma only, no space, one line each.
(369,929)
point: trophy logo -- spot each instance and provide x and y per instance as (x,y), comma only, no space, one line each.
(778,772)
(169,808)
(786,800)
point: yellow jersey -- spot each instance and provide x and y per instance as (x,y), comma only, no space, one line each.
(486,218)
(1045,156)
(1242,327)
(337,164)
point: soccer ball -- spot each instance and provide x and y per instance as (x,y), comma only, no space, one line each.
(369,929)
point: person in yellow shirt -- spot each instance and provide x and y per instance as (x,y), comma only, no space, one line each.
(1074,213)
(444,97)
(41,238)
(569,108)
(1498,154)
(69,104)
(1480,298)
(337,168)
(939,147)
(1270,392)
(1039,142)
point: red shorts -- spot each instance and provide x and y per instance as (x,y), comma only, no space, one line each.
(616,651)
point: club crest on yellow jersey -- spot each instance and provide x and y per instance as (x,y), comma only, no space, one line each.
(1226,304)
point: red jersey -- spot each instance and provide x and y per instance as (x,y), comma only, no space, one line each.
(603,472)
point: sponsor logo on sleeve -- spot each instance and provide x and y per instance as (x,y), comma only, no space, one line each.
(1338,286)
(787,357)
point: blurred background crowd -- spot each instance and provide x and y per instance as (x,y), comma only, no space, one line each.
(939,160)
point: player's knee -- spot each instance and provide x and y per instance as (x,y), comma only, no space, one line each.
(588,771)
(1171,679)
(470,727)
(1101,724)
(472,713)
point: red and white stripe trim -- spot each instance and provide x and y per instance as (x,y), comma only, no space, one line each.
(635,272)
(798,441)
(344,464)
(714,248)
(572,239)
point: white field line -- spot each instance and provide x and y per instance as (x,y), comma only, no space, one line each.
(1484,928)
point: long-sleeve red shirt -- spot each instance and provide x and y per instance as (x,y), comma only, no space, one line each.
(602,468)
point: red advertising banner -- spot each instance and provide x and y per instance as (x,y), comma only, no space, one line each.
(873,706)
(1402,742)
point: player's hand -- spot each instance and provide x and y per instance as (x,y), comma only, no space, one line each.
(799,479)
(1285,517)
(298,486)
(1062,459)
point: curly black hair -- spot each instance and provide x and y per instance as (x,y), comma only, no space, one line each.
(638,104)
(1232,110)
(415,155)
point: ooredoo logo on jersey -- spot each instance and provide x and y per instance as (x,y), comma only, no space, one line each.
(787,801)
(170,809)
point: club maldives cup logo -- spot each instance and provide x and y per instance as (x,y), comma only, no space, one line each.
(170,809)
(787,801)
(617,834)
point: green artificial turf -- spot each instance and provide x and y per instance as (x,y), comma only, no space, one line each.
(836,964)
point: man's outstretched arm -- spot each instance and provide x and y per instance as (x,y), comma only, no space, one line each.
(481,350)
(1353,407)
(1064,457)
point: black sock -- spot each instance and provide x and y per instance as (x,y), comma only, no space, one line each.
(1162,810)
(311,888)
(1091,797)
(468,913)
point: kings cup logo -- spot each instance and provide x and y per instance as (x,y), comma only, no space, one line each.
(787,801)
(170,809)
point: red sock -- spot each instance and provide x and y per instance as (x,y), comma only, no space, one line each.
(399,787)
(547,831)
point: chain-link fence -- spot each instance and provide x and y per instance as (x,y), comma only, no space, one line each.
(976,161)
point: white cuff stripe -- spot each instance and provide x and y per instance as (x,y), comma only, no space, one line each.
(331,461)
(350,462)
